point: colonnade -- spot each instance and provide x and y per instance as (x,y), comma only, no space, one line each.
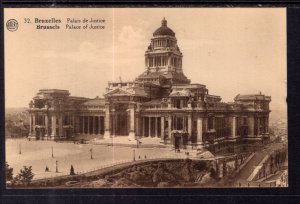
(150,126)
(162,126)
(51,125)
(54,125)
(91,124)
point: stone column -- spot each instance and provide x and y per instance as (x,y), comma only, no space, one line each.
(117,121)
(83,124)
(113,124)
(94,125)
(258,126)
(99,125)
(60,126)
(73,125)
(161,60)
(266,125)
(170,127)
(149,129)
(138,127)
(169,60)
(206,124)
(77,124)
(233,127)
(131,135)
(169,103)
(190,125)
(88,126)
(30,125)
(107,122)
(199,131)
(162,128)
(251,126)
(143,128)
(33,126)
(53,122)
(156,133)
(46,125)
(181,103)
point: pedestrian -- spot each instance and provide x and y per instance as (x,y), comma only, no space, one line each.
(139,156)
(46,169)
(145,157)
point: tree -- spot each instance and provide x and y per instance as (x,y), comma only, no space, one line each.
(8,172)
(25,176)
(72,170)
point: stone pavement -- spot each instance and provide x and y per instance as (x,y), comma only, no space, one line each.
(124,141)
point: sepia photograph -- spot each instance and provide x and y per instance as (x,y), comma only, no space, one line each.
(145,98)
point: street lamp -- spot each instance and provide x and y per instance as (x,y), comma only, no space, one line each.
(52,151)
(56,166)
(20,149)
(91,150)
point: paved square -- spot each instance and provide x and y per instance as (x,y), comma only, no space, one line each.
(38,154)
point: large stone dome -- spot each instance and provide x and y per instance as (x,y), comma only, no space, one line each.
(164,29)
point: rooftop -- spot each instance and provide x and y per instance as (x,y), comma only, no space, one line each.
(95,102)
(252,97)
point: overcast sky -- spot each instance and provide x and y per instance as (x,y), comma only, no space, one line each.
(231,51)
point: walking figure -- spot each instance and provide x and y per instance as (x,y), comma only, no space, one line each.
(145,157)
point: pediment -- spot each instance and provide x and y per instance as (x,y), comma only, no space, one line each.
(118,92)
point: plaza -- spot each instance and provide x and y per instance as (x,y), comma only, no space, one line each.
(38,154)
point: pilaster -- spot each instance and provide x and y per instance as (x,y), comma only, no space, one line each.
(131,135)
(107,133)
(199,130)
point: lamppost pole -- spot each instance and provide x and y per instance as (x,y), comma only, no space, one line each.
(91,150)
(52,151)
(20,149)
(56,166)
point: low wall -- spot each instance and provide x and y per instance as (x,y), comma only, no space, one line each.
(269,165)
(232,165)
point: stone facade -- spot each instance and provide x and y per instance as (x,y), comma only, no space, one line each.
(159,102)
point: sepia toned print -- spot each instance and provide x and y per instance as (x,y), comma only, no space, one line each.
(134,98)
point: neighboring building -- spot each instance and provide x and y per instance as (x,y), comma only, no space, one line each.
(159,101)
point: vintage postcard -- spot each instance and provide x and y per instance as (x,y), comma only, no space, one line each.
(145,97)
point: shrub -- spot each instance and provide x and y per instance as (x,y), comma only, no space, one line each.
(25,176)
(8,172)
(72,170)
